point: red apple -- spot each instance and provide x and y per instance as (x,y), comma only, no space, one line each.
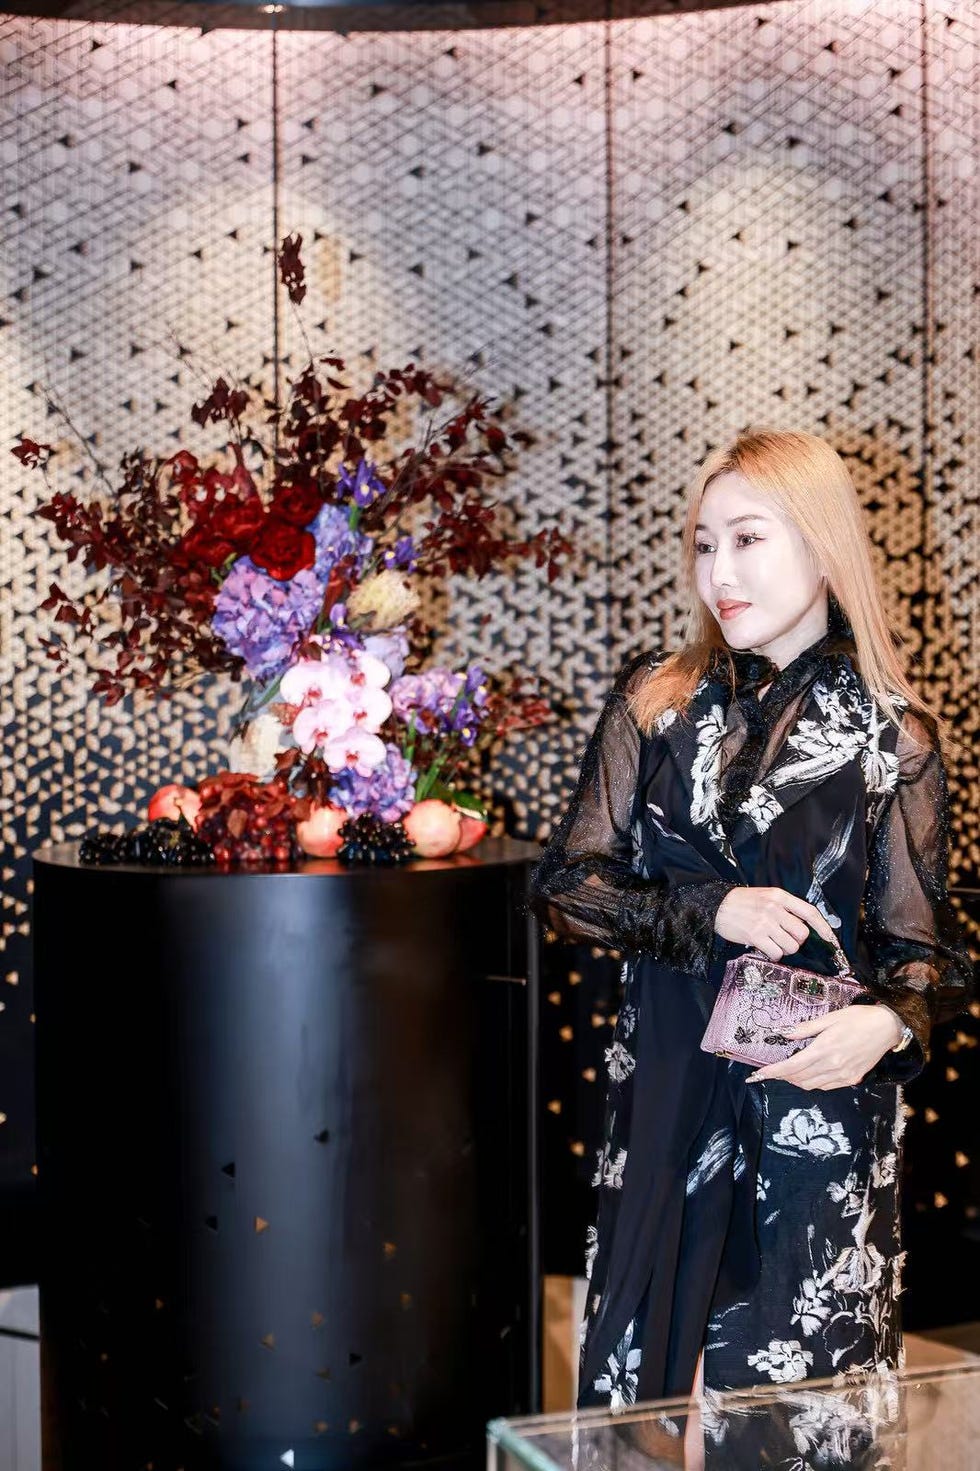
(319,834)
(433,827)
(473,829)
(172,800)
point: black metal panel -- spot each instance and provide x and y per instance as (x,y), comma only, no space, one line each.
(286,1139)
(360,15)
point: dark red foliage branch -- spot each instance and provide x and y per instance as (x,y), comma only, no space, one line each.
(292,273)
(152,613)
(31,454)
(169,529)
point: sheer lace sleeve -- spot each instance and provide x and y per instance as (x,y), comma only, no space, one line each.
(586,885)
(921,965)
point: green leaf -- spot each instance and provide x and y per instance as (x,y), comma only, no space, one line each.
(469,804)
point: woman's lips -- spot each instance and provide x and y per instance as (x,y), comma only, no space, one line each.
(732,610)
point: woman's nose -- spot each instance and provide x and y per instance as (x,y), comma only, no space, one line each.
(721,569)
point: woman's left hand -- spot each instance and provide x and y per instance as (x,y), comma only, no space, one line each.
(846,1045)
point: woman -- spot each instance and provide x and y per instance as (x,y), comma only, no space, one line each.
(758,788)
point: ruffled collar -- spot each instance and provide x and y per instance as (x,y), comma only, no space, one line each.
(752,670)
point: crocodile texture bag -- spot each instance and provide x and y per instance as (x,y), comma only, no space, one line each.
(759,997)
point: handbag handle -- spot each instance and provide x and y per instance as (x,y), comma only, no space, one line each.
(840,957)
(844,967)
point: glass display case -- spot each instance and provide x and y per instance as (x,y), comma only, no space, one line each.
(922,1420)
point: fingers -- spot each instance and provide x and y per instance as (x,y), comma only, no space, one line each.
(811,915)
(785,935)
(810,1028)
(772,919)
(810,1069)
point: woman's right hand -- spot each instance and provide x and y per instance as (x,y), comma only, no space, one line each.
(772,920)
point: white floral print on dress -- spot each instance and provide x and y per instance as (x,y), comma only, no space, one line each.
(620,1380)
(761,808)
(813,1307)
(591,1250)
(706,776)
(849,726)
(827,1428)
(627,1020)
(610,1171)
(806,1131)
(883,1170)
(846,1194)
(620,1062)
(785,1360)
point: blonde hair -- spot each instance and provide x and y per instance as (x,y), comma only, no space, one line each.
(810,486)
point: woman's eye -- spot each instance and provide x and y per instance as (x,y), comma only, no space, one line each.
(747,537)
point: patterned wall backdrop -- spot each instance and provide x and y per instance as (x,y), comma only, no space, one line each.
(641,235)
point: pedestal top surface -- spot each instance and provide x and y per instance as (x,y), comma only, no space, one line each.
(489,853)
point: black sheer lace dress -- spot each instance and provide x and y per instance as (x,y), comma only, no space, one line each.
(760,1221)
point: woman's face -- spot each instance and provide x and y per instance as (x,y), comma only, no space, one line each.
(754,572)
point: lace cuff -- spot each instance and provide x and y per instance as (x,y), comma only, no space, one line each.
(586,885)
(921,965)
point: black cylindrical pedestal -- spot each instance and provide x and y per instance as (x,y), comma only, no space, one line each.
(286,1145)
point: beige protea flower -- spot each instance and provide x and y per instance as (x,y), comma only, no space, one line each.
(256,750)
(382,601)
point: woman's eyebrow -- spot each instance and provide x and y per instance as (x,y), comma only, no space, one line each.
(752,516)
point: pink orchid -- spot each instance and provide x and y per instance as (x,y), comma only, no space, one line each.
(369,670)
(309,681)
(357,750)
(317,724)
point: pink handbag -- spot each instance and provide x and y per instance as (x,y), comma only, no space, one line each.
(759,997)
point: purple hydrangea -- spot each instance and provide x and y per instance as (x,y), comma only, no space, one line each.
(391,647)
(364,485)
(442,700)
(335,539)
(259,618)
(388,792)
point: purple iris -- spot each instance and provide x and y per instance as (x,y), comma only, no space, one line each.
(402,555)
(364,486)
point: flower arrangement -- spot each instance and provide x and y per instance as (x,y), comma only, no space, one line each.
(295,565)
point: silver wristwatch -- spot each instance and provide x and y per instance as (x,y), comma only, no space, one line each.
(904,1039)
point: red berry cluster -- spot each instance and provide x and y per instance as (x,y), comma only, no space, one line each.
(246,821)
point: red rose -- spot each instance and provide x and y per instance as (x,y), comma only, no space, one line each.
(297,504)
(237,521)
(202,545)
(282,550)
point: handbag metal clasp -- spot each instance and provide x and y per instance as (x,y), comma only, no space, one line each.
(808,988)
